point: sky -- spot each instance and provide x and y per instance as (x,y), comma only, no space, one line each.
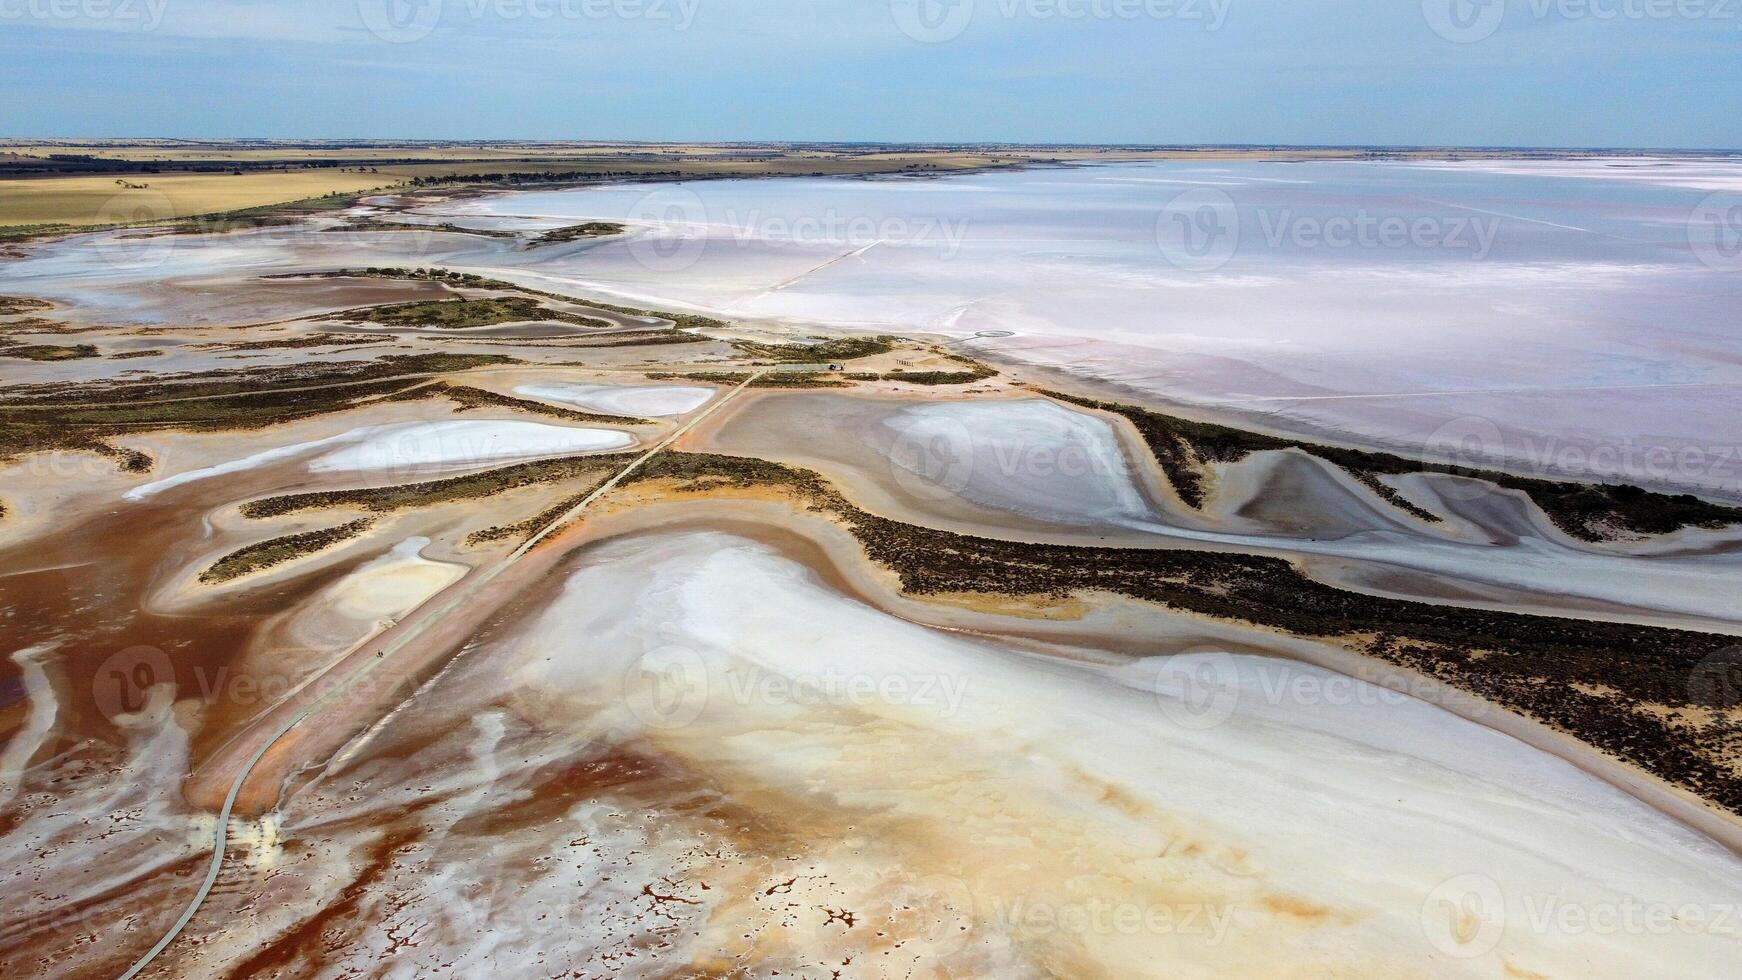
(1582,73)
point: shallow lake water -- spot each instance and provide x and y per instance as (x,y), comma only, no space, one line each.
(1564,316)
(1569,317)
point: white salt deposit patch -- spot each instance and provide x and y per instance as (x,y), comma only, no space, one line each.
(113,807)
(411,449)
(643,401)
(1718,174)
(454,445)
(366,600)
(394,584)
(39,722)
(1327,825)
(1031,457)
(507,902)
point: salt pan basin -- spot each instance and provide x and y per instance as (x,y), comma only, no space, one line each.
(412,449)
(395,583)
(647,401)
(1560,302)
(373,596)
(1321,825)
(1031,457)
(1044,462)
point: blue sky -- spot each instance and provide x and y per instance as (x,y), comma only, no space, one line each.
(1648,73)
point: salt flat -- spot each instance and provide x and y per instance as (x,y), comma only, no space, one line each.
(1561,305)
(654,401)
(1071,785)
(1036,463)
(1560,302)
(688,742)
(407,450)
(1034,458)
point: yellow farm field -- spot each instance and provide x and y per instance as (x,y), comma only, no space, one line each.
(106,200)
